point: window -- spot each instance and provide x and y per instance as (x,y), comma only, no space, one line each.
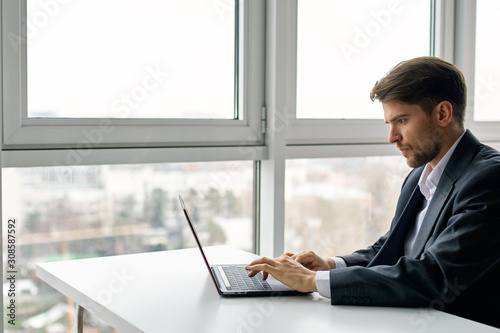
(487,73)
(344,47)
(161,133)
(91,211)
(159,73)
(137,59)
(338,205)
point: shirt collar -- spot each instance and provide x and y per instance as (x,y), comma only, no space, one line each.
(429,179)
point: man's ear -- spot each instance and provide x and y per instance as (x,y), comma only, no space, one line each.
(444,113)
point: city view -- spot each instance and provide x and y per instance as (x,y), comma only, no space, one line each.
(333,206)
(66,213)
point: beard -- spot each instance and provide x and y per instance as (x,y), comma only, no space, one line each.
(426,150)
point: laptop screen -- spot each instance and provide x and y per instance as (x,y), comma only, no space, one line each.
(198,242)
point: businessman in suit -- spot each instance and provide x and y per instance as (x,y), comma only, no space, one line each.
(443,247)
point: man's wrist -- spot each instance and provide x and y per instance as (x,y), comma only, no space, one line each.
(312,282)
(339,262)
(331,263)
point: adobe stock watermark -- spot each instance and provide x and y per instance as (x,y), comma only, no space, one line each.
(221,180)
(255,319)
(363,36)
(118,282)
(121,107)
(421,319)
(116,285)
(40,19)
(224,7)
(485,87)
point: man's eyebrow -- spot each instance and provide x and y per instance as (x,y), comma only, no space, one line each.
(396,117)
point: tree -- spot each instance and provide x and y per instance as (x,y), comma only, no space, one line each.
(33,222)
(216,234)
(158,207)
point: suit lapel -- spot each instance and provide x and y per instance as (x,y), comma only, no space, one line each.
(458,163)
(442,194)
(392,249)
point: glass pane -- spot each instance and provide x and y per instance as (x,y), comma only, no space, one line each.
(91,211)
(487,78)
(131,59)
(344,47)
(336,206)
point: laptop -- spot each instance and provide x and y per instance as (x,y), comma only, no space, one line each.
(233,280)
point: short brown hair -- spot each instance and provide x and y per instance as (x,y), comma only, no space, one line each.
(424,81)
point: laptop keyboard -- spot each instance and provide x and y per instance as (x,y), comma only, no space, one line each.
(237,277)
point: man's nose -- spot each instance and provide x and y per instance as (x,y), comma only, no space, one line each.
(394,135)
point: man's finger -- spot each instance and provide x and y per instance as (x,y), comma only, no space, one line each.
(262,260)
(265,268)
(303,258)
(255,272)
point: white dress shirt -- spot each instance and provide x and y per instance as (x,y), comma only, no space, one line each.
(429,179)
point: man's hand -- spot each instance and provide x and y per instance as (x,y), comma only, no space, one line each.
(287,270)
(312,261)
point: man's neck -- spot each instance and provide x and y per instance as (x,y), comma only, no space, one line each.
(451,137)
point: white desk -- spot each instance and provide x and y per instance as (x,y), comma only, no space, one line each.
(172,292)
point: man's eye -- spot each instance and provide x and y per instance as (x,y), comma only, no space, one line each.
(401,120)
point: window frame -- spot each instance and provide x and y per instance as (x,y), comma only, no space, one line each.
(19,132)
(450,41)
(319,131)
(270,56)
(465,46)
(452,38)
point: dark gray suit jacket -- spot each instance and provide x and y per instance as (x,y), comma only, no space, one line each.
(455,263)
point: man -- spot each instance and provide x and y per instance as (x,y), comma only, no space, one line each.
(443,246)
